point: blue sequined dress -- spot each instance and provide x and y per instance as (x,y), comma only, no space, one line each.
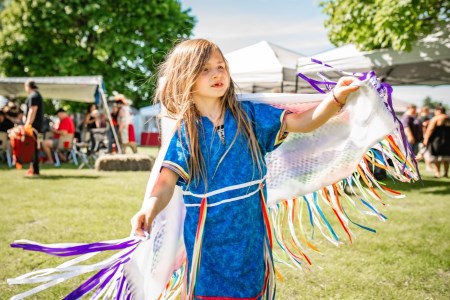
(232,255)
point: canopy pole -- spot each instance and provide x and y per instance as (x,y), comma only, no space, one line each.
(108,114)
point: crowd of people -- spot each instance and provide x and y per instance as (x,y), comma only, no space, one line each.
(54,134)
(429,137)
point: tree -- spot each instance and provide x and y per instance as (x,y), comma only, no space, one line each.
(120,39)
(432,103)
(384,23)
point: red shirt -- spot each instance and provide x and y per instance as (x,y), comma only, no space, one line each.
(67,125)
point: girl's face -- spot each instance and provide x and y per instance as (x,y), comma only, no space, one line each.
(213,81)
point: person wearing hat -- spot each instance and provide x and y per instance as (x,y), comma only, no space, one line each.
(125,124)
(34,120)
(66,126)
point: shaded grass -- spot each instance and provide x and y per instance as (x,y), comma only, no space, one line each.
(408,257)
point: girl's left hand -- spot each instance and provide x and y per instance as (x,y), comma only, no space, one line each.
(344,87)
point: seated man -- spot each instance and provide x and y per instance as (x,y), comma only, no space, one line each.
(66,126)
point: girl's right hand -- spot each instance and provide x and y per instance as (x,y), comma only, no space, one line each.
(161,194)
(140,223)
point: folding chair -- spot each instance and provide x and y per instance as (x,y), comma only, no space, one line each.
(65,143)
(5,148)
(82,152)
(100,139)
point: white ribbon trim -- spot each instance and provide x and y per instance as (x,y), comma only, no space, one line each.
(228,200)
(223,190)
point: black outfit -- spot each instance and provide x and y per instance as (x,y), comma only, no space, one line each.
(6,125)
(35,99)
(111,139)
(91,125)
(440,140)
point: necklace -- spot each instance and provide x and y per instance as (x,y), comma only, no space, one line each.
(221,132)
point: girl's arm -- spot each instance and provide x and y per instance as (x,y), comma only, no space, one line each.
(316,117)
(161,194)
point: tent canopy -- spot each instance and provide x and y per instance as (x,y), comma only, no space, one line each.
(74,88)
(427,64)
(263,67)
(150,111)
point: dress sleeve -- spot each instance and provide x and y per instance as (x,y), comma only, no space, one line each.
(270,126)
(176,158)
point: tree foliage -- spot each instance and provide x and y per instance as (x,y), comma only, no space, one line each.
(120,39)
(384,23)
(428,101)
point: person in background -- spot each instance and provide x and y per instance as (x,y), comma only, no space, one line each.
(19,119)
(14,114)
(103,122)
(124,121)
(99,119)
(66,126)
(413,127)
(89,119)
(95,117)
(5,123)
(424,117)
(437,141)
(112,147)
(34,120)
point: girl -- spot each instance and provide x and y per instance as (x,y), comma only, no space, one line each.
(217,157)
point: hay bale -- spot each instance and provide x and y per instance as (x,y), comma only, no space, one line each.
(124,162)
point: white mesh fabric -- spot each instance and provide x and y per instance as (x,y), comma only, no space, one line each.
(307,162)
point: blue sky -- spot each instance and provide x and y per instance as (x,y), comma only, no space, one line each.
(232,24)
(293,24)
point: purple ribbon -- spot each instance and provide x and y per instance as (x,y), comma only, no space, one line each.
(95,280)
(121,286)
(321,63)
(91,283)
(314,83)
(328,84)
(75,250)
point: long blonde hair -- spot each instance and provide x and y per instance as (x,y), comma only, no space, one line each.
(179,72)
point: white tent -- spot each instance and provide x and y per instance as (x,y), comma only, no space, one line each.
(427,64)
(264,67)
(75,88)
(147,122)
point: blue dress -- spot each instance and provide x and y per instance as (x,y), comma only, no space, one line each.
(232,255)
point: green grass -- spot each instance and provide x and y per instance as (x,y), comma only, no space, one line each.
(408,258)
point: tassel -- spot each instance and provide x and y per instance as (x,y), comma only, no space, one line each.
(197,252)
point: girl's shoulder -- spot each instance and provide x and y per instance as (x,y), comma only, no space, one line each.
(248,107)
(255,109)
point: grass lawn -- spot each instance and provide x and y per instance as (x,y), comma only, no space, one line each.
(408,257)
